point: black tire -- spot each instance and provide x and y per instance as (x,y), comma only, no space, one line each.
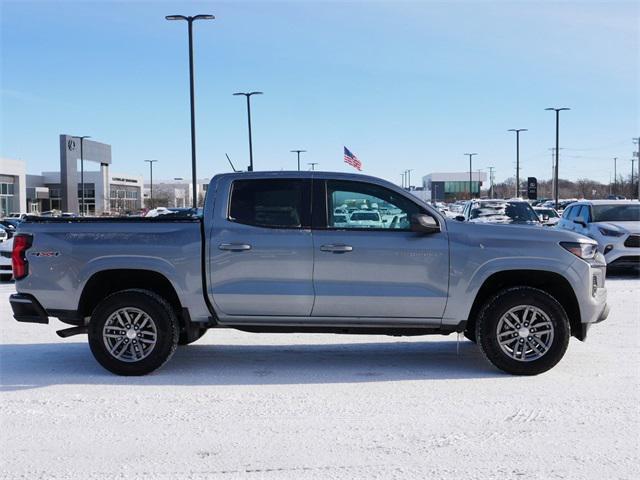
(161,318)
(183,339)
(498,306)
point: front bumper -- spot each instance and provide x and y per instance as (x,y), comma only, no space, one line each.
(591,293)
(27,309)
(620,252)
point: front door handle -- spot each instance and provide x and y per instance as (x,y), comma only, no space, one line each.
(338,248)
(235,247)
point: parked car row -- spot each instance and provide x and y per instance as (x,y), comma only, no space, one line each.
(614,224)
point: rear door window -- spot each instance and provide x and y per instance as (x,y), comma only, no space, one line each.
(271,203)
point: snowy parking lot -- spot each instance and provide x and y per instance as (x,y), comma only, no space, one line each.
(299,406)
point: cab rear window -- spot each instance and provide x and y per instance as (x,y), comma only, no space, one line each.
(271,203)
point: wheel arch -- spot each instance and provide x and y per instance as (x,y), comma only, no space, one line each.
(105,282)
(550,282)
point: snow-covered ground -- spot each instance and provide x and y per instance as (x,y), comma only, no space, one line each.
(239,405)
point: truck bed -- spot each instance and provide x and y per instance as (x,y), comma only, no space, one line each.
(67,252)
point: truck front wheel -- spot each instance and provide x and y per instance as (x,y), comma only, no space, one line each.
(133,332)
(523,331)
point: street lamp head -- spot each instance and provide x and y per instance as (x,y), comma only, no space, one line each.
(557,109)
(248,94)
(297,151)
(470,153)
(190,19)
(517,130)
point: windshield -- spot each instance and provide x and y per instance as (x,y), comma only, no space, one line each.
(547,211)
(365,216)
(508,212)
(616,213)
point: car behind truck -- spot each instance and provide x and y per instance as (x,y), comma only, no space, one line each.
(271,255)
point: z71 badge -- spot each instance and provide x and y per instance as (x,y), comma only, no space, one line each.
(45,254)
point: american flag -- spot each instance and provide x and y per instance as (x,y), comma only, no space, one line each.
(351,159)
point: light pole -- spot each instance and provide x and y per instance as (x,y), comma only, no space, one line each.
(470,174)
(491,169)
(82,206)
(313,165)
(615,175)
(248,95)
(517,130)
(555,173)
(298,152)
(632,164)
(151,162)
(190,21)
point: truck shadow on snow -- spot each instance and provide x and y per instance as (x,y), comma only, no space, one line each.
(26,366)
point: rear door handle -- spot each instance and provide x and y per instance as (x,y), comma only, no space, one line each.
(336,248)
(235,247)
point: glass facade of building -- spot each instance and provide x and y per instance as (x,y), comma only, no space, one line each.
(7,194)
(450,191)
(124,198)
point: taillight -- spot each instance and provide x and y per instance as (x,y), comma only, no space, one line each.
(21,243)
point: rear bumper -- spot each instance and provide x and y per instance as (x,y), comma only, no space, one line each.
(27,309)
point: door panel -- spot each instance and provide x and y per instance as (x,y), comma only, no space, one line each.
(370,264)
(273,277)
(261,251)
(386,274)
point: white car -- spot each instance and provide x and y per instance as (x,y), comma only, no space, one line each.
(340,220)
(614,224)
(365,219)
(6,246)
(548,216)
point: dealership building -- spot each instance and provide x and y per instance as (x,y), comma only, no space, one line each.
(452,186)
(176,193)
(105,192)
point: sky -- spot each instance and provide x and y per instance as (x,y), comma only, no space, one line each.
(404,85)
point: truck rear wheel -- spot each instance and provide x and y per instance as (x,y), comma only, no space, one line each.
(523,331)
(133,332)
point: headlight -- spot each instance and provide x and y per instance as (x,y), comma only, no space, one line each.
(610,233)
(586,251)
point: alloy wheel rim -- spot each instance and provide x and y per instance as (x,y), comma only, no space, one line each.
(129,334)
(525,333)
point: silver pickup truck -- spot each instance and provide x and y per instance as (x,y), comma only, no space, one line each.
(288,252)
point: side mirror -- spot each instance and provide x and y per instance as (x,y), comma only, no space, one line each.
(580,221)
(424,224)
(460,218)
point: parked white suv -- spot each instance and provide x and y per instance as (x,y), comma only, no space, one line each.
(614,224)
